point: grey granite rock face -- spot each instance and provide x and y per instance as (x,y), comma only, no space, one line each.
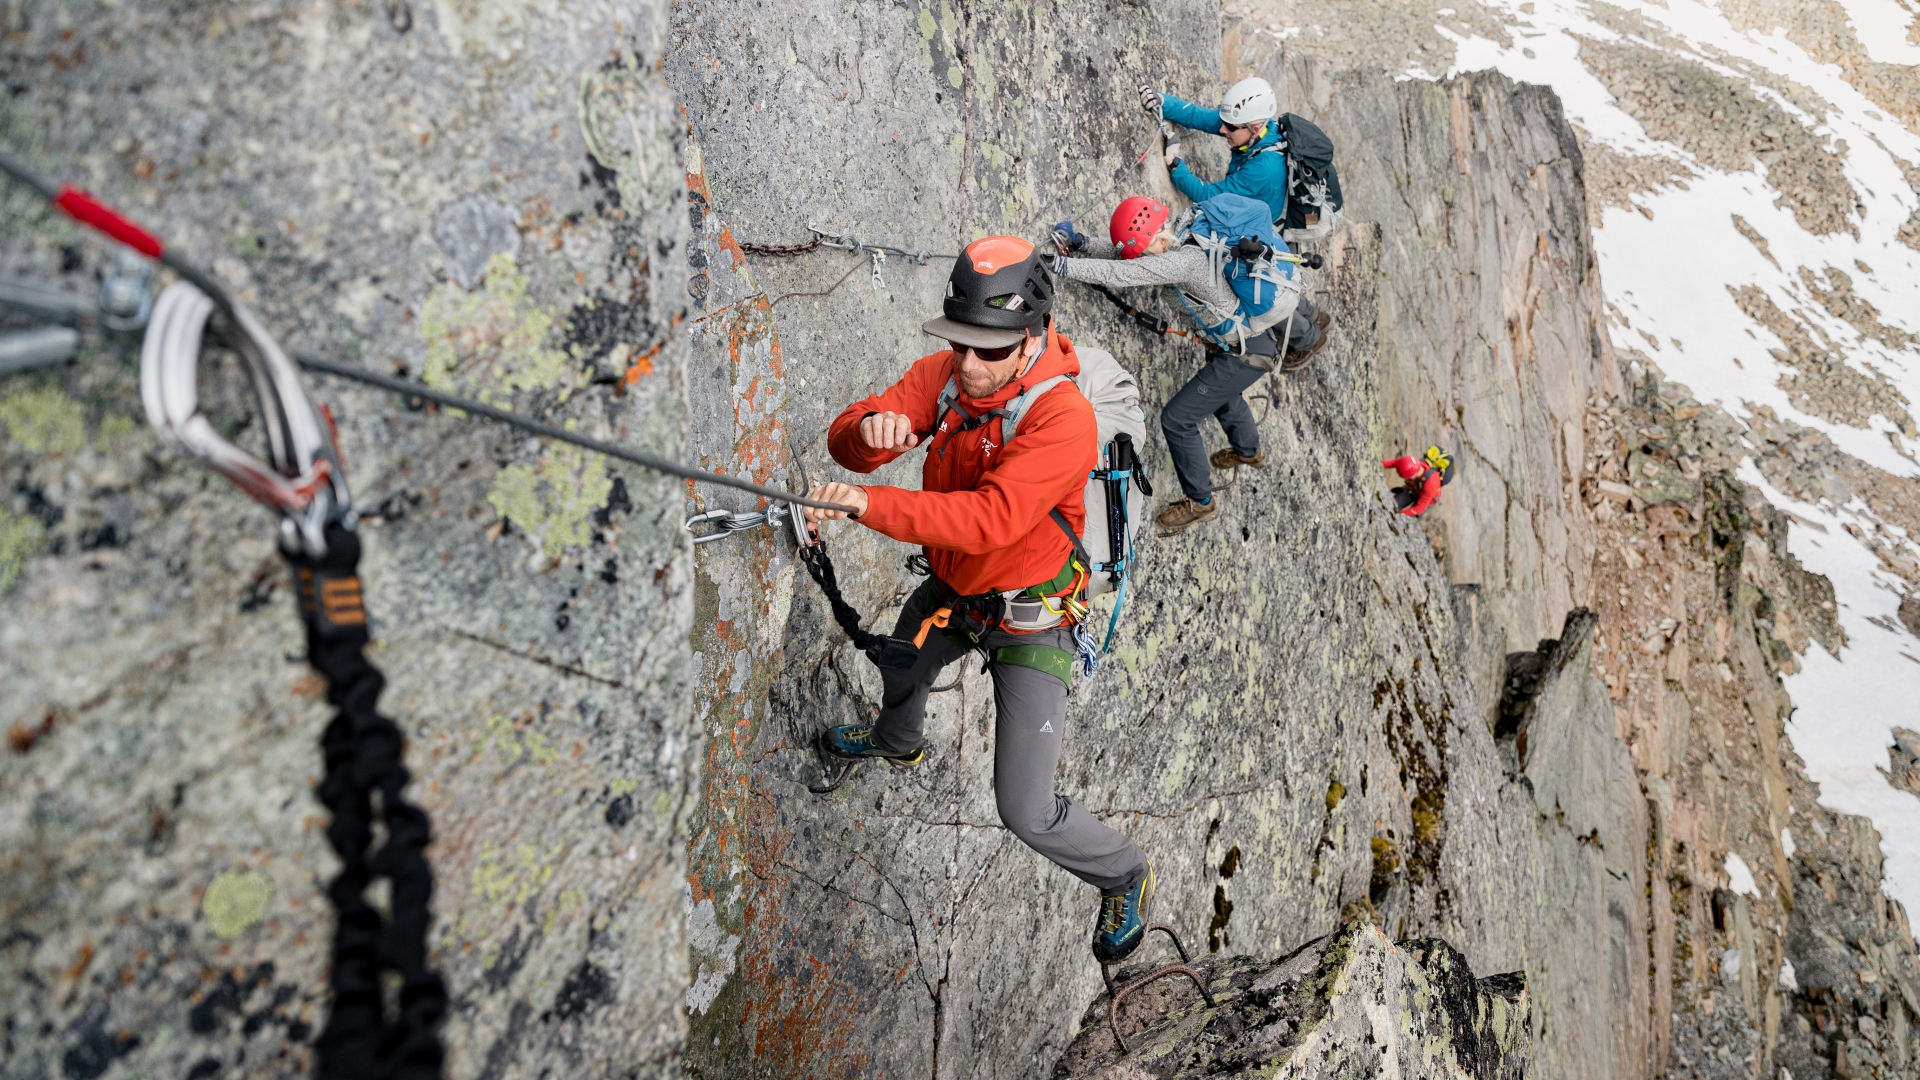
(161,884)
(1491,334)
(1294,721)
(1287,723)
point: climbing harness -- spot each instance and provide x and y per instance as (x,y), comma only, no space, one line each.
(1118,997)
(374,1027)
(1110,485)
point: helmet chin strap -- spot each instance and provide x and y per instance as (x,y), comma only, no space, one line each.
(1035,356)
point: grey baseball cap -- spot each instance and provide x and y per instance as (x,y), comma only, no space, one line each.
(980,337)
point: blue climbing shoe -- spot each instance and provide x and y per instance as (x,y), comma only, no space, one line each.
(855,743)
(1123,922)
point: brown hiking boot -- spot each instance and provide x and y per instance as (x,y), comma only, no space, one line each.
(1298,358)
(1229,458)
(1184,512)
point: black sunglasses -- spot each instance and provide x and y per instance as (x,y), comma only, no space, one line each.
(991,356)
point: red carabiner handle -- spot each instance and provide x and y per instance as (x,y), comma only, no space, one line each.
(87,210)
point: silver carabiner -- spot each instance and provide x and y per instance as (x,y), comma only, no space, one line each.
(733,521)
(304,481)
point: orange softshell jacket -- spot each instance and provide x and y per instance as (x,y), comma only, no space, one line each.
(983,513)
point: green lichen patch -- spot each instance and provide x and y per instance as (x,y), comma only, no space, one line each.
(236,901)
(491,342)
(19,538)
(554,503)
(512,879)
(44,421)
(515,747)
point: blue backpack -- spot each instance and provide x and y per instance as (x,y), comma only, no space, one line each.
(1218,226)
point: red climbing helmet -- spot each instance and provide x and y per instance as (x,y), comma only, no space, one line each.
(1134,223)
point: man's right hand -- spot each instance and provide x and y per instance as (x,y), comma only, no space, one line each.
(1151,101)
(888,431)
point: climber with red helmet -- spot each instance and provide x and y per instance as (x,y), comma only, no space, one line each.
(1424,477)
(1248,119)
(998,518)
(1147,250)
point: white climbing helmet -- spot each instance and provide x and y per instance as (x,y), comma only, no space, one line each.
(1248,101)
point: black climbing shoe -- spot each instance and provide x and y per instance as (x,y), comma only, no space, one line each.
(1231,458)
(1123,922)
(855,743)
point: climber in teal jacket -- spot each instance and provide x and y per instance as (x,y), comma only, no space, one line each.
(1246,119)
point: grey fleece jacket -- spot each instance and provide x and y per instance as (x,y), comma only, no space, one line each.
(1185,268)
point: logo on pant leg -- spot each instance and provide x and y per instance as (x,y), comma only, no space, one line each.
(1048,726)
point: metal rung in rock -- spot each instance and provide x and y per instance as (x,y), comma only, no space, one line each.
(1119,996)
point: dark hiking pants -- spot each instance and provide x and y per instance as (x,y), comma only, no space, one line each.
(1215,391)
(1030,720)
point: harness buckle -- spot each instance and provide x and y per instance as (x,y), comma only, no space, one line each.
(303,480)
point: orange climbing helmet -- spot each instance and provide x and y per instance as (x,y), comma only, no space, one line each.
(1134,223)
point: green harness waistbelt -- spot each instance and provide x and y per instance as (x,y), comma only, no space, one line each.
(1055,662)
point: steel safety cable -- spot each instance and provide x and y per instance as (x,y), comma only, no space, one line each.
(552,431)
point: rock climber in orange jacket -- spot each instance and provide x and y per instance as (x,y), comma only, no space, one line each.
(998,518)
(1424,478)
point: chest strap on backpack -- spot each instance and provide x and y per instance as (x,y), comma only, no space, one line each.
(1009,414)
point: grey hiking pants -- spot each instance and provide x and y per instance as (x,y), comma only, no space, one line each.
(1215,391)
(1030,719)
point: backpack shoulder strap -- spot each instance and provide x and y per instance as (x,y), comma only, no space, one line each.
(1016,409)
(1060,519)
(949,397)
(950,402)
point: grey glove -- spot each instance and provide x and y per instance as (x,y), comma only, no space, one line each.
(1173,154)
(1150,100)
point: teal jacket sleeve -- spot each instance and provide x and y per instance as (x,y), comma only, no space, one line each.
(1263,177)
(1189,115)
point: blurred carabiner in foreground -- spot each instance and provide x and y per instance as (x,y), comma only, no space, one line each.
(304,481)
